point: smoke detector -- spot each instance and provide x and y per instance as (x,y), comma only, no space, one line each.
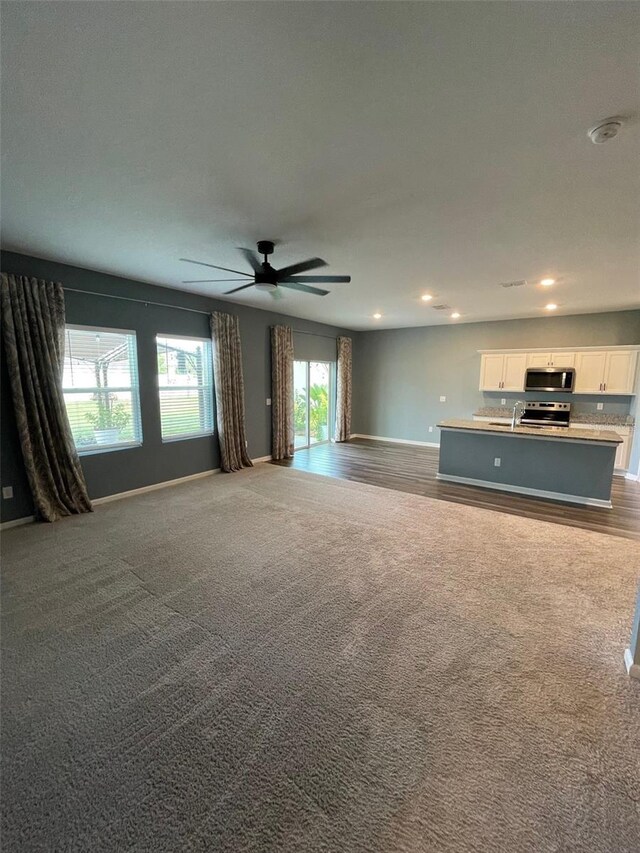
(605,130)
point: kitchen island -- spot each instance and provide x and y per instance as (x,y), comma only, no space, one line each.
(571,465)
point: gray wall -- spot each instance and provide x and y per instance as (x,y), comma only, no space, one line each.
(154,461)
(400,374)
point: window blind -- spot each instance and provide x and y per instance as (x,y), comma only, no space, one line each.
(185,387)
(100,385)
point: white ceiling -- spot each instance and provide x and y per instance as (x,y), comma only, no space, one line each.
(419,147)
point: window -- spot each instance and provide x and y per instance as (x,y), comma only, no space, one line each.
(185,387)
(100,384)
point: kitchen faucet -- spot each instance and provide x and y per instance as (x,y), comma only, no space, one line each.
(515,420)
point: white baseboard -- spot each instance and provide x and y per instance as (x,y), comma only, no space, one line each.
(522,490)
(262,459)
(395,440)
(153,487)
(632,668)
(634,477)
(17,522)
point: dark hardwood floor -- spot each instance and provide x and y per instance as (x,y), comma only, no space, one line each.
(413,469)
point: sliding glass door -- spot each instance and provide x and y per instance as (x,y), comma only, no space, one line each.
(313,397)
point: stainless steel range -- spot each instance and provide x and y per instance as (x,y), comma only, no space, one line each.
(546,414)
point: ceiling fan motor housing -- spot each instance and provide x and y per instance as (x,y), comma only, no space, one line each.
(265,247)
(267,278)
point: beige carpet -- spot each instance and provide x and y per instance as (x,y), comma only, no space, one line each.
(274,661)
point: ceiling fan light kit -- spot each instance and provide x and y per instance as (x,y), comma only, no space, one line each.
(267,278)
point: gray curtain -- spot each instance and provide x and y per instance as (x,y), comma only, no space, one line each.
(282,433)
(343,406)
(33,330)
(229,385)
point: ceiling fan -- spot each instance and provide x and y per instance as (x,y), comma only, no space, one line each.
(265,277)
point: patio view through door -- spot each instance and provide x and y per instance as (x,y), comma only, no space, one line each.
(312,392)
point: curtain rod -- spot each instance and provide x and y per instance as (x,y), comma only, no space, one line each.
(177,307)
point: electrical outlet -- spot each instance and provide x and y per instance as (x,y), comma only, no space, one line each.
(7,492)
(443,399)
(503,401)
(430,429)
(497,461)
(268,401)
(600,406)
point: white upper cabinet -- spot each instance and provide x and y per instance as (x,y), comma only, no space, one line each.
(515,365)
(539,359)
(491,372)
(590,368)
(598,371)
(551,359)
(503,371)
(563,359)
(620,372)
(606,372)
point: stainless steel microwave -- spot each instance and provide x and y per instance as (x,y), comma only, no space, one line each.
(550,379)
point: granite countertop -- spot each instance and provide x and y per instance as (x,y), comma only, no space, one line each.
(604,418)
(539,432)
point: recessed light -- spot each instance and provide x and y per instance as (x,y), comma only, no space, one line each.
(551,306)
(547,282)
(427,297)
(455,315)
(377,316)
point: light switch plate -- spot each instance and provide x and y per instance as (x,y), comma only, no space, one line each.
(600,406)
(430,429)
(503,401)
(497,461)
(443,399)
(268,401)
(7,492)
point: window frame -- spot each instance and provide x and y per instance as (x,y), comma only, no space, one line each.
(133,389)
(208,366)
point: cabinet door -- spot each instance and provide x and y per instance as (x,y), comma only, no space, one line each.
(491,369)
(563,359)
(539,359)
(622,452)
(590,372)
(620,372)
(515,365)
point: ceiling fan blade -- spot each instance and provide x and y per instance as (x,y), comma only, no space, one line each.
(209,280)
(303,287)
(320,279)
(236,289)
(303,266)
(252,259)
(213,266)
